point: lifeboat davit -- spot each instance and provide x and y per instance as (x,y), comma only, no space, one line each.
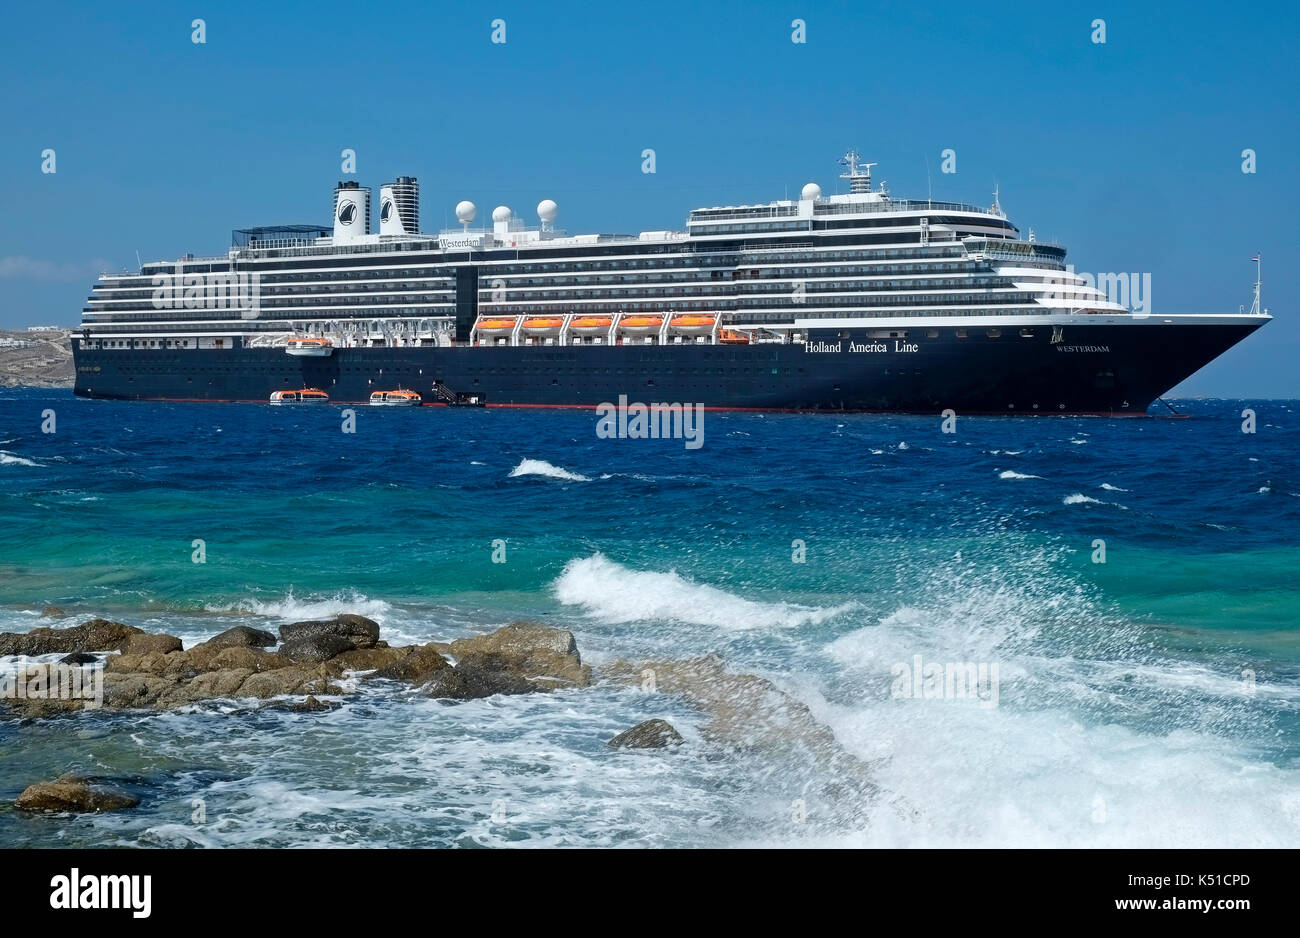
(496,324)
(543,325)
(591,325)
(693,324)
(398,398)
(309,347)
(303,396)
(641,325)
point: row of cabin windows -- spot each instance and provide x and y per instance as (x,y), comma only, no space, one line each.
(667,357)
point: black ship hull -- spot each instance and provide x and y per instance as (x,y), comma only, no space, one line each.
(1111,369)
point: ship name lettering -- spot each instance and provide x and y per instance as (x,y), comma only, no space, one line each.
(821,346)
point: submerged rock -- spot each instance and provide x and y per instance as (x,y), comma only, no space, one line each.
(74,794)
(79,658)
(652,734)
(751,715)
(52,612)
(92,635)
(309,705)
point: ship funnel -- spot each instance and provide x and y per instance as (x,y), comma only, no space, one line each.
(399,207)
(351,212)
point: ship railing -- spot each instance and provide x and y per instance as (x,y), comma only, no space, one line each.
(898,205)
(707,216)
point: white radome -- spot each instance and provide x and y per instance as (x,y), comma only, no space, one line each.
(547,210)
(465,211)
(812,191)
(501,213)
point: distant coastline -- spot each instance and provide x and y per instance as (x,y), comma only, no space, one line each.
(36,359)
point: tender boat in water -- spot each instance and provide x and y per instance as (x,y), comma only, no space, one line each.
(398,398)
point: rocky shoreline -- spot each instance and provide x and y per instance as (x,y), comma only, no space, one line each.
(41,359)
(315,665)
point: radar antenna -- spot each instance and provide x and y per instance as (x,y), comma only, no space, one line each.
(859,174)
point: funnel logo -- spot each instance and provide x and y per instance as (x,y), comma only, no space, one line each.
(348,212)
(386,211)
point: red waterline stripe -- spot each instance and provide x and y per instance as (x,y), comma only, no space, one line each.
(755,410)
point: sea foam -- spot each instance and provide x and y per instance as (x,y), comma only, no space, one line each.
(290,608)
(611,592)
(540,467)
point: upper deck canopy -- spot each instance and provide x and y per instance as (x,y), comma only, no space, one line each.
(252,237)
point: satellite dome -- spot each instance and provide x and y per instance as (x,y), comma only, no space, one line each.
(501,213)
(812,191)
(547,210)
(465,211)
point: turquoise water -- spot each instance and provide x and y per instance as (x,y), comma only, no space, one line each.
(1148,700)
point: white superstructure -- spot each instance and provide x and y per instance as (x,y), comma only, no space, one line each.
(771,271)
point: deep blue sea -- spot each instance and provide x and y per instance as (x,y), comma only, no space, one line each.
(1153,699)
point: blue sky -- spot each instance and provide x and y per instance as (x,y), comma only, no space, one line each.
(1128,152)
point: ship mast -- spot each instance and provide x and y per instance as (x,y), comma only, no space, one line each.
(859,180)
(1254,307)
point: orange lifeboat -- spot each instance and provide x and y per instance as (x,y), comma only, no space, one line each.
(694,324)
(308,347)
(304,396)
(498,324)
(590,325)
(641,325)
(399,398)
(543,325)
(732,337)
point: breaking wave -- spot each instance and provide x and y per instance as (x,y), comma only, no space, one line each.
(614,593)
(540,467)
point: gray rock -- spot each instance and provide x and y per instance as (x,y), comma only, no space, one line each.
(241,636)
(79,658)
(321,646)
(360,631)
(546,655)
(74,794)
(416,667)
(652,734)
(479,675)
(93,635)
(151,645)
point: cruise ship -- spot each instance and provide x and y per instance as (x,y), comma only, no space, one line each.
(855,301)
